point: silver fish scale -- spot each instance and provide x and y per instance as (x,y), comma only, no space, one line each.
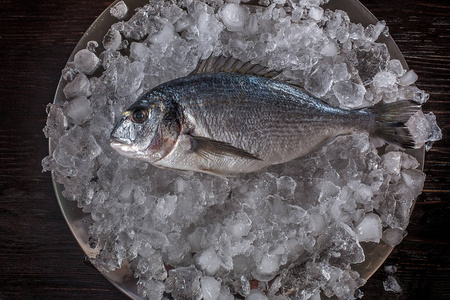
(269,119)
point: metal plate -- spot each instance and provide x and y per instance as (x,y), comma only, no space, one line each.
(79,222)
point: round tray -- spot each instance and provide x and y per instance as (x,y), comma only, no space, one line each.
(79,222)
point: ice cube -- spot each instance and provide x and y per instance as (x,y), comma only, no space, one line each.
(424,129)
(112,40)
(369,62)
(385,79)
(77,149)
(152,289)
(369,230)
(340,72)
(412,93)
(183,24)
(178,250)
(393,236)
(210,288)
(207,31)
(390,269)
(242,265)
(414,180)
(349,94)
(139,51)
(269,264)
(256,295)
(408,78)
(239,225)
(164,36)
(317,222)
(150,263)
(86,62)
(315,13)
(286,186)
(92,46)
(358,215)
(79,110)
(129,79)
(330,49)
(209,261)
(184,283)
(320,80)
(392,162)
(56,123)
(165,207)
(391,285)
(373,31)
(297,14)
(242,285)
(139,25)
(362,192)
(395,67)
(173,12)
(157,239)
(119,10)
(251,26)
(358,294)
(69,72)
(78,87)
(409,162)
(233,16)
(396,209)
(340,254)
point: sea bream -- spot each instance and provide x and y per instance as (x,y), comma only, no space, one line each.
(231,117)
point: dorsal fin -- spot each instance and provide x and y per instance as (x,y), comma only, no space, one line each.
(233,65)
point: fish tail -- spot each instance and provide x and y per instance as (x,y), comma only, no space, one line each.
(389,122)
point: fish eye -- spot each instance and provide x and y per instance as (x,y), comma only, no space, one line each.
(139,116)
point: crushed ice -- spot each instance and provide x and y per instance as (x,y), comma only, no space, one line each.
(298,225)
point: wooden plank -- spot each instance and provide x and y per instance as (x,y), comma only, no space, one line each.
(40,258)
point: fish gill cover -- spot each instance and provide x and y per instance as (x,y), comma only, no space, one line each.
(296,228)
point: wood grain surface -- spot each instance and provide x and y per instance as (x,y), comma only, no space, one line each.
(40,259)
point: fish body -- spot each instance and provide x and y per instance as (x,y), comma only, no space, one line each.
(224,123)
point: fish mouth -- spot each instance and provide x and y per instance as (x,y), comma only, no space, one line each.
(116,141)
(122,146)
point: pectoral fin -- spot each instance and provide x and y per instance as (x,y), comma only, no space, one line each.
(208,149)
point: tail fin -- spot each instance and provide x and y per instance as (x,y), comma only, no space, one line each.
(390,119)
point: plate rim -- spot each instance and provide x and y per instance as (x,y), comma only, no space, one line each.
(116,277)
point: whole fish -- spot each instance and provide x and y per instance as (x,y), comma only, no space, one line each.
(231,117)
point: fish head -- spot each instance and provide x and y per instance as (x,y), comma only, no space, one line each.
(148,130)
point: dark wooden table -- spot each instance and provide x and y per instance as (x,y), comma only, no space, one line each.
(39,258)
